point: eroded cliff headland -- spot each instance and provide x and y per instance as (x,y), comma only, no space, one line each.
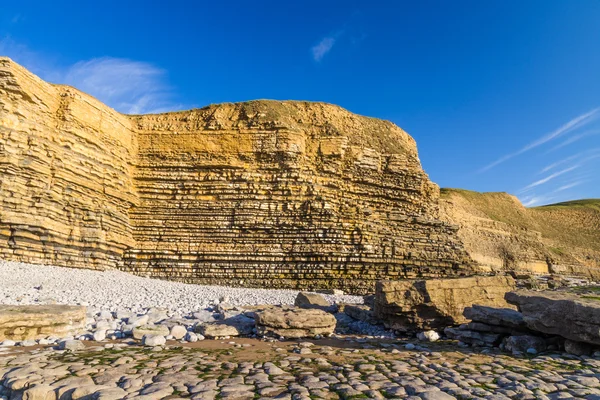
(263,193)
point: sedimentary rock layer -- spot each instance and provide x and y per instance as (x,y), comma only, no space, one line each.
(65,174)
(286,194)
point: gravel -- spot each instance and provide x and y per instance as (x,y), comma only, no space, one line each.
(119,291)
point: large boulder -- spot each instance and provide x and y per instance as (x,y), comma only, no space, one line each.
(238,325)
(150,330)
(294,323)
(409,305)
(37,322)
(311,300)
(569,315)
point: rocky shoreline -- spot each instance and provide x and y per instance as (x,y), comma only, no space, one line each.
(467,338)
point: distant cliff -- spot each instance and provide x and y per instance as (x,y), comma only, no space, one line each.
(499,233)
(263,193)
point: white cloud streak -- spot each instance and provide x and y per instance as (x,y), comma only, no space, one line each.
(322,48)
(549,178)
(575,123)
(574,139)
(131,87)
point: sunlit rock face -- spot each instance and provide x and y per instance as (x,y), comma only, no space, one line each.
(263,193)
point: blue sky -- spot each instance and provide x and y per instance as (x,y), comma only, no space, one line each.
(500,95)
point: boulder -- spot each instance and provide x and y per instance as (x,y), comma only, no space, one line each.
(154,340)
(428,336)
(294,323)
(237,325)
(140,331)
(409,305)
(311,300)
(37,322)
(504,317)
(569,315)
(178,332)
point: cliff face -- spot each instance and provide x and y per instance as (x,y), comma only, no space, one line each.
(65,174)
(285,194)
(499,233)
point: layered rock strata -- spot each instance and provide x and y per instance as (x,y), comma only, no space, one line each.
(37,322)
(65,174)
(265,193)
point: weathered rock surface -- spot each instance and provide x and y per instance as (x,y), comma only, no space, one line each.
(565,314)
(294,323)
(232,326)
(429,304)
(37,322)
(311,300)
(284,194)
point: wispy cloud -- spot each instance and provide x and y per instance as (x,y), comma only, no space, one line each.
(591,153)
(575,123)
(549,178)
(324,46)
(131,87)
(574,139)
(569,186)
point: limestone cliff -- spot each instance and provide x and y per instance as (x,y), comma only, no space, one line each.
(65,174)
(499,233)
(263,193)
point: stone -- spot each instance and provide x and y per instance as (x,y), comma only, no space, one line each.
(154,340)
(233,326)
(578,348)
(99,335)
(428,336)
(192,337)
(71,345)
(114,177)
(504,317)
(178,332)
(40,321)
(408,305)
(523,343)
(569,315)
(294,323)
(311,300)
(39,392)
(141,331)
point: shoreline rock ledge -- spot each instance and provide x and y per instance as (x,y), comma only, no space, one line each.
(572,316)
